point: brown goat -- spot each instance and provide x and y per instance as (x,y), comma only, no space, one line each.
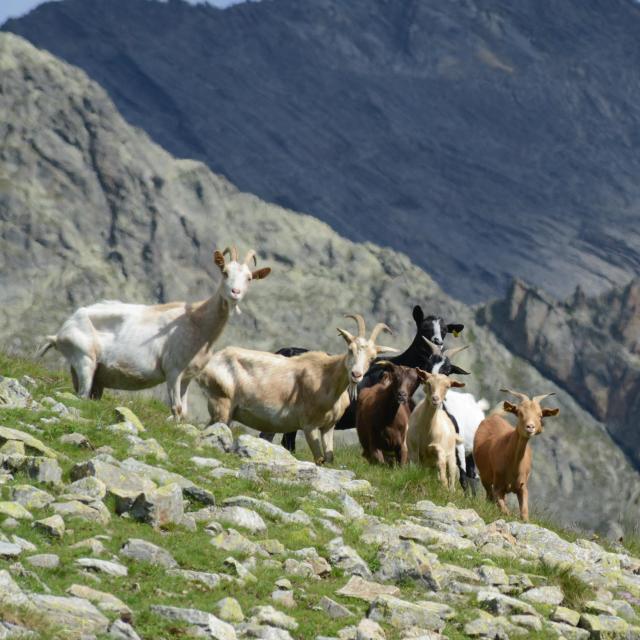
(382,414)
(502,453)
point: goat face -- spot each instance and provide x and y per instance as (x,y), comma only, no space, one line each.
(237,275)
(403,381)
(530,415)
(435,386)
(434,328)
(361,351)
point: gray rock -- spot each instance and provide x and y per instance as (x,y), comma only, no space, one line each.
(9,549)
(229,610)
(604,626)
(206,463)
(14,510)
(402,614)
(44,470)
(369,630)
(113,476)
(77,617)
(565,616)
(528,622)
(30,497)
(121,630)
(159,506)
(76,439)
(89,486)
(333,609)
(283,598)
(76,509)
(104,601)
(501,605)
(53,526)
(271,510)
(218,435)
(232,540)
(544,595)
(405,560)
(351,509)
(44,560)
(141,448)
(159,475)
(497,627)
(25,545)
(569,632)
(267,615)
(199,495)
(211,580)
(493,575)
(367,590)
(14,395)
(103,566)
(347,558)
(216,628)
(143,551)
(241,517)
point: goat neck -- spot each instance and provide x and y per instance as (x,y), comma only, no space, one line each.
(210,316)
(515,448)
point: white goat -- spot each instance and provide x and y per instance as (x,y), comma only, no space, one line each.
(116,345)
(468,413)
(275,394)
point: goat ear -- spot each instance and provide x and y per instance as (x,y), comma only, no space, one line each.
(456,329)
(385,365)
(455,383)
(380,349)
(218,258)
(261,274)
(459,370)
(509,407)
(547,413)
(348,337)
(423,375)
(418,316)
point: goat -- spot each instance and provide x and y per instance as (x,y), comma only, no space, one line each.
(467,414)
(117,345)
(276,394)
(418,354)
(383,411)
(431,437)
(502,452)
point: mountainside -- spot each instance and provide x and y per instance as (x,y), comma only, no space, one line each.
(589,345)
(487,139)
(117,524)
(91,208)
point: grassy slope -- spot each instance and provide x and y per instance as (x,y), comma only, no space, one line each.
(395,492)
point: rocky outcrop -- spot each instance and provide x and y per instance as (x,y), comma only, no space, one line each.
(590,345)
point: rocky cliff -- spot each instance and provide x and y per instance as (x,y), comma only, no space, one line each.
(487,139)
(91,208)
(589,345)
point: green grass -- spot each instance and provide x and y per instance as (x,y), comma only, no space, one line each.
(395,493)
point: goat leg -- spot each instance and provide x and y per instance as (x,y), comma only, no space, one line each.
(523,501)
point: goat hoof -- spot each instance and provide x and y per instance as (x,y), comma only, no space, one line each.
(320,461)
(328,458)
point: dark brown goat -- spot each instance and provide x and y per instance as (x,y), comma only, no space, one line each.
(382,414)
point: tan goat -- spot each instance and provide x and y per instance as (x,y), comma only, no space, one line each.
(431,437)
(502,453)
(275,394)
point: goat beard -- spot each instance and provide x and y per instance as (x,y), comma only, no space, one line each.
(353,391)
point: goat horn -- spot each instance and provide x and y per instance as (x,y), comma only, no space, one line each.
(233,253)
(381,326)
(542,397)
(251,254)
(360,320)
(435,349)
(517,394)
(449,353)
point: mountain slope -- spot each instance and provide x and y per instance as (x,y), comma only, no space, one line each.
(486,139)
(91,208)
(589,345)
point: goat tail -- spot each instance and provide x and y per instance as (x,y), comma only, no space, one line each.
(50,341)
(483,404)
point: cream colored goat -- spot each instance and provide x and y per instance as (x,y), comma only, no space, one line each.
(432,438)
(275,394)
(116,345)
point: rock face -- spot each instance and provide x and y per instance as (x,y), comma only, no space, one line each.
(588,345)
(446,119)
(141,226)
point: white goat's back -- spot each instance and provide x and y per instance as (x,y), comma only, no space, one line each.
(468,413)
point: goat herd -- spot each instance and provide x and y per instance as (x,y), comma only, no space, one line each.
(115,345)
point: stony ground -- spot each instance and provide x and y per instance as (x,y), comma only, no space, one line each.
(117,523)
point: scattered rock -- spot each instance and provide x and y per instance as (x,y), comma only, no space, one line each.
(283,598)
(369,630)
(89,486)
(493,575)
(14,510)
(77,617)
(362,589)
(347,558)
(14,395)
(9,549)
(121,630)
(103,566)
(216,628)
(141,448)
(402,614)
(271,617)
(143,551)
(218,435)
(53,526)
(333,609)
(544,595)
(241,517)
(76,439)
(77,509)
(104,601)
(206,463)
(44,560)
(126,415)
(159,506)
(233,541)
(229,609)
(199,495)
(113,476)
(406,560)
(603,626)
(501,605)
(565,616)
(44,470)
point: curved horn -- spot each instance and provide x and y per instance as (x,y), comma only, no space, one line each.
(251,254)
(449,353)
(233,253)
(360,320)
(381,326)
(517,394)
(539,398)
(435,349)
